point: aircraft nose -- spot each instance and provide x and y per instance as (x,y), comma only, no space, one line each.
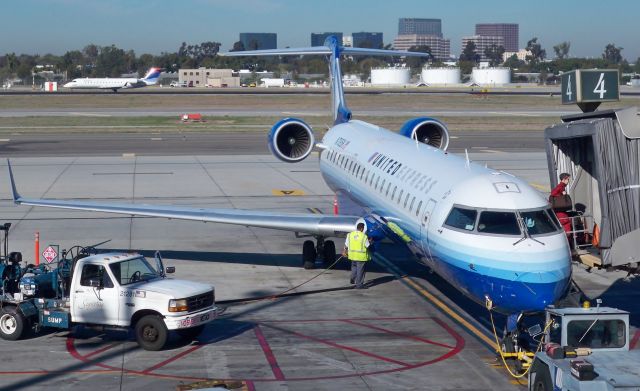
(69,84)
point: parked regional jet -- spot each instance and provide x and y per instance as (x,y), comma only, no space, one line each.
(488,233)
(115,84)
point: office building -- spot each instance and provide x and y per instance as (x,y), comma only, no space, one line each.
(411,26)
(259,41)
(508,31)
(482,43)
(440,47)
(367,40)
(317,39)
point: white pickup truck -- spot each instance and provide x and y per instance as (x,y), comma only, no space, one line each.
(116,290)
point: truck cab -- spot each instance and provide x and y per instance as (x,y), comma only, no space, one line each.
(114,289)
(586,349)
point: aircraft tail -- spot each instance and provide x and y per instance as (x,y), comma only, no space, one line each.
(152,76)
(334,50)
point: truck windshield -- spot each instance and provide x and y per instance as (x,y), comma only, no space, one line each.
(609,333)
(133,270)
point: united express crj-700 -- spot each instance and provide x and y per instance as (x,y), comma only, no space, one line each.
(488,233)
(115,83)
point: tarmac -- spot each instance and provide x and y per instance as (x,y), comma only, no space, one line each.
(409,331)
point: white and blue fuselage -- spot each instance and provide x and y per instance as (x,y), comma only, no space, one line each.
(486,232)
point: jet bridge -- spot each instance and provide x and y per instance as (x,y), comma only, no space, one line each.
(601,152)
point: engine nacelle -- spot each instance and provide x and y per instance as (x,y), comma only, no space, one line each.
(428,131)
(291,140)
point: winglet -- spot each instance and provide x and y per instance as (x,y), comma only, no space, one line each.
(16,196)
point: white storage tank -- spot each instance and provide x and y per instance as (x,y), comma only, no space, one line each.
(441,76)
(389,76)
(491,76)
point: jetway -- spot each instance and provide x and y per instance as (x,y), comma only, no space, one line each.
(601,152)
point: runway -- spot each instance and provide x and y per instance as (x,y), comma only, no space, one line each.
(221,143)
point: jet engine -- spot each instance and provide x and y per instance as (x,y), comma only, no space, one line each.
(291,140)
(428,131)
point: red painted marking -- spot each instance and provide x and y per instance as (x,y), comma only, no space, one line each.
(340,346)
(250,386)
(460,343)
(71,349)
(635,339)
(403,335)
(101,350)
(172,359)
(271,358)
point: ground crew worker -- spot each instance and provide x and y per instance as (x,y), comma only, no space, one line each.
(356,250)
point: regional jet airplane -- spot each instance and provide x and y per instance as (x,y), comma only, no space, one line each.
(115,84)
(488,233)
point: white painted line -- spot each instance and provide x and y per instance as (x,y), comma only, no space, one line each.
(4,140)
(156,138)
(454,137)
(128,155)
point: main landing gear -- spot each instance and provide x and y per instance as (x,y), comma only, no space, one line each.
(324,248)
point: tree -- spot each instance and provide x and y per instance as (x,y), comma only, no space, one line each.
(636,66)
(418,62)
(612,54)
(91,52)
(514,63)
(537,52)
(562,50)
(111,62)
(238,47)
(494,54)
(469,53)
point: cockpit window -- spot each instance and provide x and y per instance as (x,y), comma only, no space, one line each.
(538,222)
(501,223)
(462,219)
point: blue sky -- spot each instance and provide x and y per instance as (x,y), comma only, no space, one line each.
(153,26)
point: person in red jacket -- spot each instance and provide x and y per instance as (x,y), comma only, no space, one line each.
(561,190)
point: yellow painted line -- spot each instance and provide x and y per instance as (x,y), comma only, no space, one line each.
(539,186)
(450,312)
(285,192)
(440,304)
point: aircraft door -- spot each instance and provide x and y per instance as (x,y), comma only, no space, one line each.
(425,221)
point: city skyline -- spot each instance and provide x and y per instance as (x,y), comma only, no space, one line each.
(155,26)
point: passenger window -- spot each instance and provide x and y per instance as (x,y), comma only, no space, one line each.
(377,180)
(400,196)
(418,208)
(382,185)
(95,273)
(406,199)
(393,194)
(412,201)
(388,187)
(461,219)
(500,223)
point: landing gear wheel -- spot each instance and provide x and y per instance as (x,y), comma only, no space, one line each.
(12,324)
(308,254)
(508,346)
(191,333)
(151,333)
(329,255)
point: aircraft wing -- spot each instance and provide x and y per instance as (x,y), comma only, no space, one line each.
(315,224)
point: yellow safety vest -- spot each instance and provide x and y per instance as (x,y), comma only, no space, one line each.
(357,248)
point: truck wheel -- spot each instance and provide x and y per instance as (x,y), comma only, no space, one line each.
(151,333)
(542,380)
(329,256)
(191,333)
(308,254)
(12,324)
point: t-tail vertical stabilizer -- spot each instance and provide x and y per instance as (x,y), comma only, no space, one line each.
(333,50)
